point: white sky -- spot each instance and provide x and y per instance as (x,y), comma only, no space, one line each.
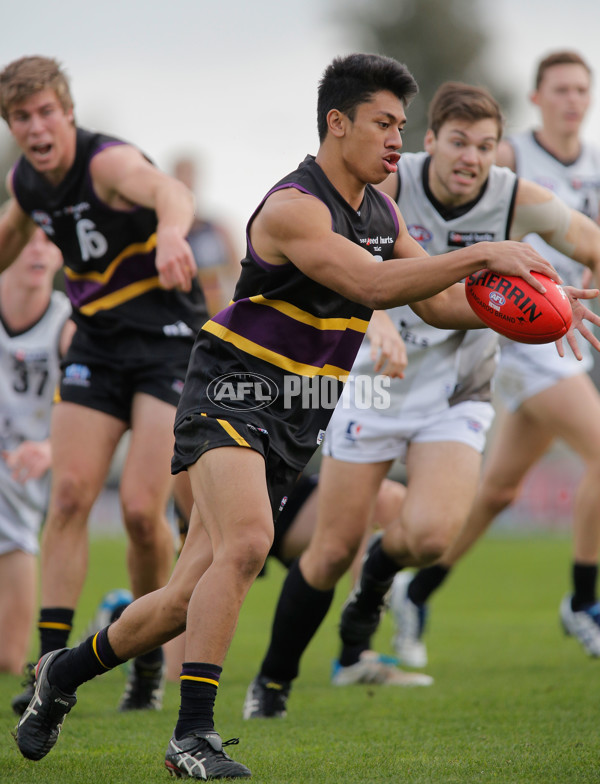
(235,82)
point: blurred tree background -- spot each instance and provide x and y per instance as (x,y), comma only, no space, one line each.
(439,40)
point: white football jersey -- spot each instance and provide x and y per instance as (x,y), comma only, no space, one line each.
(577,184)
(444,366)
(29,375)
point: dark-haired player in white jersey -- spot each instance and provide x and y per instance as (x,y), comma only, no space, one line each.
(35,331)
(324,248)
(121,226)
(545,397)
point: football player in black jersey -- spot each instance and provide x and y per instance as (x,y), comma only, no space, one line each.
(121,225)
(251,413)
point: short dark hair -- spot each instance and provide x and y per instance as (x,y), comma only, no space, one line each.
(456,100)
(563,57)
(350,81)
(29,75)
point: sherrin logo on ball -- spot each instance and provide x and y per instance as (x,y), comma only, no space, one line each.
(513,308)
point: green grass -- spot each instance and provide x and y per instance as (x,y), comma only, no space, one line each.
(514,701)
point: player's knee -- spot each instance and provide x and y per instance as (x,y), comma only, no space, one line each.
(330,560)
(142,523)
(247,552)
(69,500)
(430,547)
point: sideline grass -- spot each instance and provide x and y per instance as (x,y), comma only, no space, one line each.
(514,701)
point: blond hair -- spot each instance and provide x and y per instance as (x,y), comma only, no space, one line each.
(29,75)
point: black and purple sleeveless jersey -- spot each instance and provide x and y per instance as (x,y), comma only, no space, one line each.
(277,357)
(109,254)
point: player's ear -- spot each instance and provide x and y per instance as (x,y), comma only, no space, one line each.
(429,141)
(534,97)
(336,122)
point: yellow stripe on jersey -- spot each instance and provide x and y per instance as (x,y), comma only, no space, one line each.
(104,277)
(119,297)
(359,325)
(256,350)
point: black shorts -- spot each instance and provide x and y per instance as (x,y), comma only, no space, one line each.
(198,433)
(302,489)
(110,385)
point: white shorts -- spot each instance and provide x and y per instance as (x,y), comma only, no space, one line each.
(370,437)
(22,511)
(524,370)
(18,534)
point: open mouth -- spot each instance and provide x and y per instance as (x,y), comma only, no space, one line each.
(41,150)
(465,174)
(391,161)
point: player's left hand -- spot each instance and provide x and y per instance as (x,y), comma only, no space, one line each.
(580,313)
(174,261)
(30,460)
(388,351)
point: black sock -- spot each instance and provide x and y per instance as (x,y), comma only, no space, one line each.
(54,625)
(199,684)
(299,613)
(350,654)
(379,567)
(425,582)
(376,577)
(153,660)
(584,585)
(77,665)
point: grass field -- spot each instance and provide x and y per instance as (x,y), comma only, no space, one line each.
(514,701)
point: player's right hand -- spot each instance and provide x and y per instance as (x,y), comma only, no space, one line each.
(519,258)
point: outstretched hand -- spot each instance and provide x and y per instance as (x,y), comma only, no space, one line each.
(580,313)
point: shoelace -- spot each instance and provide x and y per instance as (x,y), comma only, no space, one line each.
(230,742)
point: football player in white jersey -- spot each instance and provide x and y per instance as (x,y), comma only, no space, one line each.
(545,397)
(34,332)
(437,415)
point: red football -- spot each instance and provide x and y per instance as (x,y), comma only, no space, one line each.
(512,307)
